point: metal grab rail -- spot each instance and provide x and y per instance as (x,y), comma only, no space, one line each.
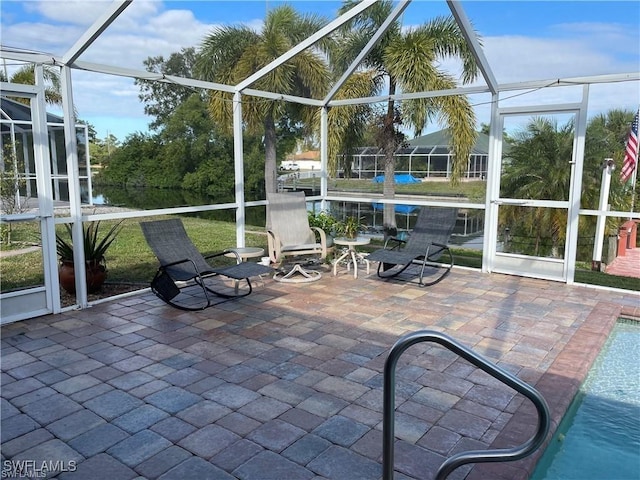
(472,456)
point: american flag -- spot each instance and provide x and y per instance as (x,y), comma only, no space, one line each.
(631,153)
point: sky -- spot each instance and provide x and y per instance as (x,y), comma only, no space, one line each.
(522,41)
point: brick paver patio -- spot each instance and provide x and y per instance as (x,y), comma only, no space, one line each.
(287,383)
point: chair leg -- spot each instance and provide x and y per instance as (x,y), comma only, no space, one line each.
(169,301)
(222,294)
(446,267)
(305,276)
(389,270)
(166,290)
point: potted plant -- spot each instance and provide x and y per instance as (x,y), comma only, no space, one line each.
(94,251)
(350,227)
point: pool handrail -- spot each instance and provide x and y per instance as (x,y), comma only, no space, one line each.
(472,456)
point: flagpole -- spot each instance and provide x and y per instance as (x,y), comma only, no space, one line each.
(633,186)
(634,174)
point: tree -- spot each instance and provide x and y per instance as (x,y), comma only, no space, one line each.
(538,168)
(352,126)
(26,75)
(100,150)
(129,165)
(606,138)
(11,184)
(407,61)
(204,155)
(231,54)
(161,98)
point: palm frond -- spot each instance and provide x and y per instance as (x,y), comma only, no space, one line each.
(448,41)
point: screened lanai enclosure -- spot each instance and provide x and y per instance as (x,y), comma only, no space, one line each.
(425,157)
(18,160)
(58,169)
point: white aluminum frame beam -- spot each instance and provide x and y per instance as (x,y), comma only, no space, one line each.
(572,81)
(75,203)
(41,155)
(365,51)
(323,32)
(472,41)
(577,167)
(410,96)
(93,33)
(28,90)
(324,155)
(151,76)
(29,57)
(144,75)
(238,163)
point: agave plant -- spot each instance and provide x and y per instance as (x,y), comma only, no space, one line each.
(94,247)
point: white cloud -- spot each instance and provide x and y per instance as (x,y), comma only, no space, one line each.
(516,58)
(79,12)
(146,32)
(144,29)
(147,29)
(40,37)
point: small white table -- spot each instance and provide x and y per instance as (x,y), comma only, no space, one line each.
(352,253)
(246,252)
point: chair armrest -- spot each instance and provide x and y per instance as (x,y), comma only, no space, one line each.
(399,243)
(323,241)
(224,252)
(439,248)
(430,250)
(274,246)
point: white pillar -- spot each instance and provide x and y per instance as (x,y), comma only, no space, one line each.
(607,169)
(73,174)
(238,160)
(324,155)
(45,192)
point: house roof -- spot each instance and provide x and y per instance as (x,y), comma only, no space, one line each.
(12,110)
(442,139)
(436,143)
(307,155)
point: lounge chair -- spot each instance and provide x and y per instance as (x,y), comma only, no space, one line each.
(185,275)
(289,235)
(422,250)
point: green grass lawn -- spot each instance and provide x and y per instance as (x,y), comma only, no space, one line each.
(130,260)
(473,190)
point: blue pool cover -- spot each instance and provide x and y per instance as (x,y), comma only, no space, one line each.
(407,178)
(399,208)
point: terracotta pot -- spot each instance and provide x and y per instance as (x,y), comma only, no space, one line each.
(96,275)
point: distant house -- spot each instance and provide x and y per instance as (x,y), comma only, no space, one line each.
(16,131)
(309,160)
(427,156)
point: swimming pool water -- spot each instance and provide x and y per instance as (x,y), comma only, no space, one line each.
(599,438)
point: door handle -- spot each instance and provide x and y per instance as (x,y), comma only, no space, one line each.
(15,218)
(515,204)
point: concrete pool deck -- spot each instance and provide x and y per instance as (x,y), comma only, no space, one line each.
(287,383)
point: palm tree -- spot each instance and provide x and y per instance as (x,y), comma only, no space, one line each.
(538,169)
(26,76)
(407,61)
(231,54)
